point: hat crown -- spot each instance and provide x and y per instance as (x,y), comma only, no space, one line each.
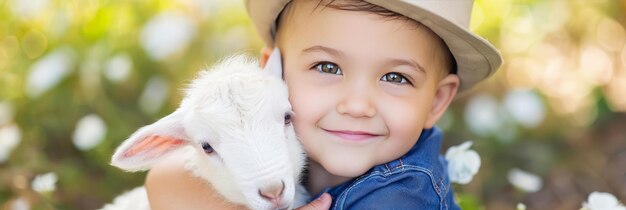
(455,11)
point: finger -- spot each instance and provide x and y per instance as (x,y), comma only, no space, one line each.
(321,203)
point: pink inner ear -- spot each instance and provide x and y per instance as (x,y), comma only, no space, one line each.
(153,146)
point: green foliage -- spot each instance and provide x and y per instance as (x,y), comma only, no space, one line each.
(468,202)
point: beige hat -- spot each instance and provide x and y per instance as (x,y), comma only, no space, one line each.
(476,58)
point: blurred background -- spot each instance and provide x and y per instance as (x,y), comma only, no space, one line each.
(79,76)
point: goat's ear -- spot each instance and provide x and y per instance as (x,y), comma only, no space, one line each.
(274,64)
(151,143)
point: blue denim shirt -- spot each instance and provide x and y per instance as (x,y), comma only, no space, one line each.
(417,180)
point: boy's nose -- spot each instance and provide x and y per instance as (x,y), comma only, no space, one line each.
(357,104)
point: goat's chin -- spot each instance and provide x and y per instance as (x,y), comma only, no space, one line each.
(265,205)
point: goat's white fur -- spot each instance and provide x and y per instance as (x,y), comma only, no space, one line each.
(135,199)
(239,110)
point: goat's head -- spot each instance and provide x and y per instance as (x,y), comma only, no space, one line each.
(238,118)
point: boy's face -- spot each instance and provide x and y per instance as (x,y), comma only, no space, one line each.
(362,87)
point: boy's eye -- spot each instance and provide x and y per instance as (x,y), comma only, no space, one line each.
(395,78)
(327,67)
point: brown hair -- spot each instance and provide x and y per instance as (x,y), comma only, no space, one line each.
(363,6)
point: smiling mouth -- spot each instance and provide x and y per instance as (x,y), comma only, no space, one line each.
(352,135)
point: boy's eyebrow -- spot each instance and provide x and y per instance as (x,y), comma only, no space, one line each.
(324,49)
(408,62)
(393,61)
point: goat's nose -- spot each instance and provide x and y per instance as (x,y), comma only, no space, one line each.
(272,192)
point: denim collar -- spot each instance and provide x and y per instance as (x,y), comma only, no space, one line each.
(424,154)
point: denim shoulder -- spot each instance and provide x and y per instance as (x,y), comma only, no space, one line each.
(410,187)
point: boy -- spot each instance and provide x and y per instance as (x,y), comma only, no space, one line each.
(367,82)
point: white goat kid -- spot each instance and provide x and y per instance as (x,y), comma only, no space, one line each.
(235,125)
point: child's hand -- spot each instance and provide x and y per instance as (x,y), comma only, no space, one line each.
(321,203)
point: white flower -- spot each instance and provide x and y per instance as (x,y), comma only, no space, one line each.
(602,201)
(525,106)
(20,204)
(154,95)
(10,137)
(167,34)
(49,71)
(45,182)
(525,181)
(463,163)
(521,206)
(90,130)
(118,68)
(28,9)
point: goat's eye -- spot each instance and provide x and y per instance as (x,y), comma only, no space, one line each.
(207,148)
(287,118)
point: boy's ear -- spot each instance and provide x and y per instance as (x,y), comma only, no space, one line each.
(151,143)
(446,90)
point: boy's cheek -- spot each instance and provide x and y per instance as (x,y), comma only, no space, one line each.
(409,131)
(304,95)
(405,119)
(304,102)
